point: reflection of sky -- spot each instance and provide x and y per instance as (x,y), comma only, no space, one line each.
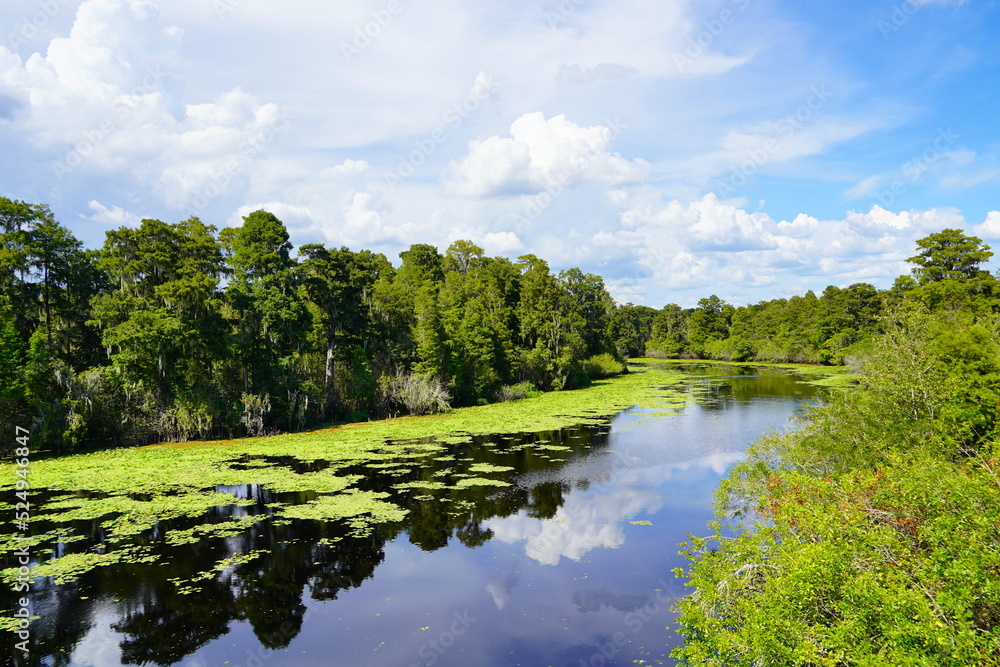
(598,516)
(543,591)
(589,519)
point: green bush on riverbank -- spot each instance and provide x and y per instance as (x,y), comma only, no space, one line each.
(876,531)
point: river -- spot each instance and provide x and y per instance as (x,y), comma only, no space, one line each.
(571,565)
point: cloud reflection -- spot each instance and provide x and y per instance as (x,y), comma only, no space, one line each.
(596,517)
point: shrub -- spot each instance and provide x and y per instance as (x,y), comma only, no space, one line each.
(663,349)
(418,394)
(602,366)
(576,378)
(515,392)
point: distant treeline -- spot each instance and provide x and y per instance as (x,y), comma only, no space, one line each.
(182,331)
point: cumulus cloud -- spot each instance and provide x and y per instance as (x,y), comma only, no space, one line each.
(541,154)
(990,229)
(346,168)
(115,216)
(714,245)
(502,243)
(100,100)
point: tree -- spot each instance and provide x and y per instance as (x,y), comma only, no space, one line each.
(163,328)
(271,320)
(337,282)
(461,255)
(949,255)
(709,322)
(632,328)
(590,308)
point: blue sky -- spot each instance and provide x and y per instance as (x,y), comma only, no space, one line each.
(748,148)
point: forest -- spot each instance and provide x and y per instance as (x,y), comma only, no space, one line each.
(182,331)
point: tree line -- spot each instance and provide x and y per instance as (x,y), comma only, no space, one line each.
(871,535)
(183,331)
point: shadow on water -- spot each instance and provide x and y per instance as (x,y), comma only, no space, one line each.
(163,612)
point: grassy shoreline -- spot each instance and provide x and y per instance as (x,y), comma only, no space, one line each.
(193,466)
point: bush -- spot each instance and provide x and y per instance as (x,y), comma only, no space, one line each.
(576,378)
(870,536)
(418,394)
(663,349)
(602,366)
(515,392)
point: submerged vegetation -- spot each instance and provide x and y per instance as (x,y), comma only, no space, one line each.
(872,535)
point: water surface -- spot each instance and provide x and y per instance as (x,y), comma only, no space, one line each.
(569,566)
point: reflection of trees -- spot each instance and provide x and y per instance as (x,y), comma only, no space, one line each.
(167,626)
(163,622)
(65,620)
(718,387)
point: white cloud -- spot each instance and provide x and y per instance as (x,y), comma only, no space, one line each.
(541,154)
(863,188)
(716,246)
(99,101)
(116,216)
(502,243)
(346,168)
(990,229)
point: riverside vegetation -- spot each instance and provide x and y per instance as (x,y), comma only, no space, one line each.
(872,535)
(174,332)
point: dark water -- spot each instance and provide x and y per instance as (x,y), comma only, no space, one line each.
(549,572)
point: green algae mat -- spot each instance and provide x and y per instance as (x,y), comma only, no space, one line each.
(128,492)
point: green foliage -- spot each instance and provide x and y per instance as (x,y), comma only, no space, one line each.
(631,329)
(949,255)
(873,535)
(602,366)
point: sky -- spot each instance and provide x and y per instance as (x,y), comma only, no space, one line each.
(752,149)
